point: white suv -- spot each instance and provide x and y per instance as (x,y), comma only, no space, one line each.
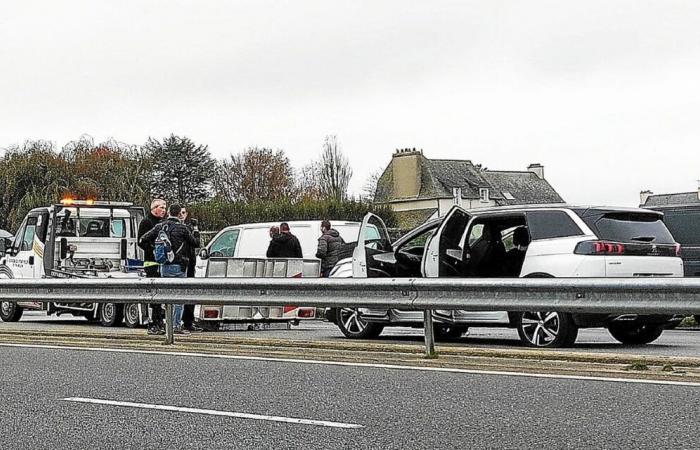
(523,241)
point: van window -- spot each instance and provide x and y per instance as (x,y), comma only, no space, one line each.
(225,244)
(350,231)
(683,225)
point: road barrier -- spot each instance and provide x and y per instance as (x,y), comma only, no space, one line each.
(580,295)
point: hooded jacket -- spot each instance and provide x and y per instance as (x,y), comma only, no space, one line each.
(181,239)
(284,245)
(330,246)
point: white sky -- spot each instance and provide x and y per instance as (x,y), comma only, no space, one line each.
(604,94)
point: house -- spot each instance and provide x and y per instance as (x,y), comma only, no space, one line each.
(418,188)
(648,199)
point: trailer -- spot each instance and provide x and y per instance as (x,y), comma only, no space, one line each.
(212,316)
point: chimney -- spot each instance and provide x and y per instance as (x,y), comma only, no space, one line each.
(457,196)
(406,172)
(644,195)
(537,169)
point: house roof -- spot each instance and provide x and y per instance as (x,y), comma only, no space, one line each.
(682,198)
(440,176)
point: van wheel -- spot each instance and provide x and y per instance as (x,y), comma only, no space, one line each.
(353,326)
(110,314)
(132,316)
(10,312)
(635,334)
(547,329)
(449,332)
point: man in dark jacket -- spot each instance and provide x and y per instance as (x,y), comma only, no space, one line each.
(284,244)
(330,245)
(155,325)
(181,241)
(188,310)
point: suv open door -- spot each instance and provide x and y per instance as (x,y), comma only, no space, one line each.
(373,239)
(445,252)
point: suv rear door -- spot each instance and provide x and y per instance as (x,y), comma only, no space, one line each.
(635,244)
(445,252)
(373,239)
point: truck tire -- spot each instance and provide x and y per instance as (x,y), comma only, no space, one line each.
(635,334)
(110,314)
(132,315)
(10,312)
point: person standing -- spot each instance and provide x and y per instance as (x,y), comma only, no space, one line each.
(155,216)
(188,310)
(284,244)
(181,240)
(330,245)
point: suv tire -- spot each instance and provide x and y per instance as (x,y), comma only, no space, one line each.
(546,329)
(353,326)
(635,334)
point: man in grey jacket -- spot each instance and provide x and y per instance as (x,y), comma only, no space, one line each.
(330,245)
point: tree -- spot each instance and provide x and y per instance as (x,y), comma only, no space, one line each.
(370,188)
(254,175)
(180,171)
(332,172)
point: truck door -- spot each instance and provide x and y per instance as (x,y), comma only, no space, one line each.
(28,248)
(445,252)
(373,239)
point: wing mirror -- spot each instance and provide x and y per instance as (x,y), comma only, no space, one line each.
(204,253)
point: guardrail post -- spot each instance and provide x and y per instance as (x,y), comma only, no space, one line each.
(169,337)
(429,334)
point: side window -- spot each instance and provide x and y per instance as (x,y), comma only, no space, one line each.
(225,244)
(28,235)
(17,244)
(475,233)
(551,224)
(117,229)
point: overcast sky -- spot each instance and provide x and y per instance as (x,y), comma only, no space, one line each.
(604,94)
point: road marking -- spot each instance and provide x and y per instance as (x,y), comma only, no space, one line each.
(369,365)
(212,412)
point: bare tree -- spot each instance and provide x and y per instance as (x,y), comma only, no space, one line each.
(256,174)
(370,187)
(334,170)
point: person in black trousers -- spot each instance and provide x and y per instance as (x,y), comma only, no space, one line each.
(188,310)
(151,267)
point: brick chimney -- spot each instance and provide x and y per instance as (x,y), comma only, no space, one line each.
(537,169)
(406,172)
(644,195)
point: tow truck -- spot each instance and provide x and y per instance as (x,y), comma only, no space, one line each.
(75,239)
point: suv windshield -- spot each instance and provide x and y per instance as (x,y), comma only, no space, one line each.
(630,227)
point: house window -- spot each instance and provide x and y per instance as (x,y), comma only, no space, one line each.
(508,195)
(484,195)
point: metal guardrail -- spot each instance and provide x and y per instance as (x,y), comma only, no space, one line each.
(583,295)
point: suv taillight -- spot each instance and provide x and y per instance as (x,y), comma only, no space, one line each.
(678,250)
(599,248)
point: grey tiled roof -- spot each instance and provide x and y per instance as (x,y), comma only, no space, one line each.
(683,198)
(524,187)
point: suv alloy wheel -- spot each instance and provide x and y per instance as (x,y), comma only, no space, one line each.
(547,329)
(352,324)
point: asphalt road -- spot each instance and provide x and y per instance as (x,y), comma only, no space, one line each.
(388,408)
(678,342)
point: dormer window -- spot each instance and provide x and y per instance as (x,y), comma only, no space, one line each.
(484,195)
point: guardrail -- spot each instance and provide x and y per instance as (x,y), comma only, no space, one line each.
(583,295)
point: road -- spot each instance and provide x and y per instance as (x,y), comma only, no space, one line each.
(368,407)
(679,342)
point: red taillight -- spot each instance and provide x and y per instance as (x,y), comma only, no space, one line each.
(211,313)
(307,313)
(599,248)
(288,308)
(678,250)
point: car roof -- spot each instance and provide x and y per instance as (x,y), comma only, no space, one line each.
(596,209)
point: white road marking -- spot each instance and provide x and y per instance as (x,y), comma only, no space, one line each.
(370,365)
(212,412)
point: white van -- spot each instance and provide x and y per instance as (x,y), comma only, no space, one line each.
(250,240)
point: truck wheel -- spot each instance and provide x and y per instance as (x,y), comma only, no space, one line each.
(110,314)
(635,334)
(547,329)
(10,312)
(353,326)
(132,315)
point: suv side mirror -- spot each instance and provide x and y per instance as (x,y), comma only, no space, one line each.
(204,253)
